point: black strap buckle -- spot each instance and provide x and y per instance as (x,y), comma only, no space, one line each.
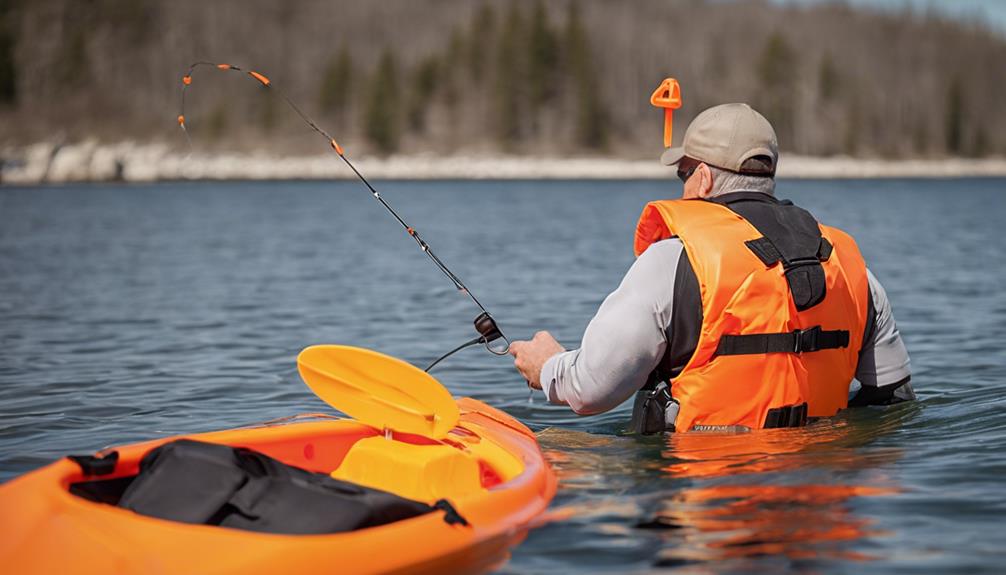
(806,339)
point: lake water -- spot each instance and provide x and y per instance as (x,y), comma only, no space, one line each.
(132,312)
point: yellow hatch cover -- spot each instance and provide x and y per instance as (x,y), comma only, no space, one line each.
(379,390)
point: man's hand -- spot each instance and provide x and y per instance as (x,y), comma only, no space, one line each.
(530,356)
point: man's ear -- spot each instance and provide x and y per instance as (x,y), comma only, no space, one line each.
(705,182)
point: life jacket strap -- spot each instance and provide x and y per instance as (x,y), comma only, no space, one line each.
(796,341)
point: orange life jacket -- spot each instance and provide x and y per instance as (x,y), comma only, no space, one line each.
(767,350)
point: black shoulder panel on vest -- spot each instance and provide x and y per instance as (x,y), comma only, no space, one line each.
(686,324)
(791,235)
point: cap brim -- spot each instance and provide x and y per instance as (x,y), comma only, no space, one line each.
(672,156)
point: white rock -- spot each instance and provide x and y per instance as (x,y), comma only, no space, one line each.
(155,161)
(72,162)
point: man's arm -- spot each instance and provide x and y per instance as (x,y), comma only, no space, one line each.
(623,343)
(884,368)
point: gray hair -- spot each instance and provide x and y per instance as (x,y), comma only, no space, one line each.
(725,182)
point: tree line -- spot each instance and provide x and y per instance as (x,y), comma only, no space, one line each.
(513,76)
(516,69)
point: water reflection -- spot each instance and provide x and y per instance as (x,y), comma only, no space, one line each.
(720,500)
(746,521)
(768,450)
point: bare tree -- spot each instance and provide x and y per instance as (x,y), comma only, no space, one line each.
(492,74)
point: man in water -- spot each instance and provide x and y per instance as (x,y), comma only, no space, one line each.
(740,311)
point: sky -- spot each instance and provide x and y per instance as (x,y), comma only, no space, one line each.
(991,11)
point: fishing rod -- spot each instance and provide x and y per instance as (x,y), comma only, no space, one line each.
(485,325)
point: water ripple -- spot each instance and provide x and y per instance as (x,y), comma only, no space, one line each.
(128,313)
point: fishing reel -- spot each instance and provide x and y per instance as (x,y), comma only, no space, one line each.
(489,332)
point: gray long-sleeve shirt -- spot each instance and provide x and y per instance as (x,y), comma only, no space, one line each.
(627,338)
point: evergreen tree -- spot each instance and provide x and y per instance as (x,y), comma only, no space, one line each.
(8,45)
(777,64)
(508,85)
(827,79)
(74,64)
(543,57)
(453,62)
(337,86)
(381,116)
(483,30)
(8,69)
(424,84)
(591,116)
(852,127)
(955,117)
(777,75)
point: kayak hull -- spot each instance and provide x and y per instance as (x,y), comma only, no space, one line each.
(46,529)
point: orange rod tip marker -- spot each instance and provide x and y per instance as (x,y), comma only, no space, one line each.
(336,147)
(187,80)
(259,77)
(667,96)
(224,66)
(181,121)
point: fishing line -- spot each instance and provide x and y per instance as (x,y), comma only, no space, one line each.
(484,323)
(479,339)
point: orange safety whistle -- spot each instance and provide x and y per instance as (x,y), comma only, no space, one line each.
(667,96)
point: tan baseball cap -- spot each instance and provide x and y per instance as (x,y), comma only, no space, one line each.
(726,137)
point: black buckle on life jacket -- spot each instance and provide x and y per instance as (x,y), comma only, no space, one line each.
(806,339)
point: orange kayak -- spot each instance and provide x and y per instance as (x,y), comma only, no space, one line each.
(488,465)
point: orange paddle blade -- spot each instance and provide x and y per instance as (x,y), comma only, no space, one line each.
(379,390)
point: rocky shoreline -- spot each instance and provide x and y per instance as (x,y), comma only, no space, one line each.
(90,161)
